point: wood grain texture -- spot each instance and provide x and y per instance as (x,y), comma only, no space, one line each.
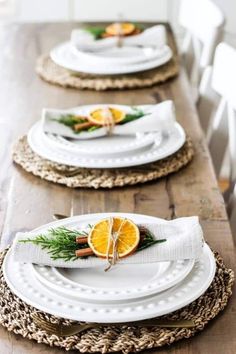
(26,201)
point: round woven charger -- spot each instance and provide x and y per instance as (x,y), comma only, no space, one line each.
(57,75)
(99,178)
(15,315)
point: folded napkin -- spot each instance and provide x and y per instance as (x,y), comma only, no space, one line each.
(154,36)
(184,240)
(158,118)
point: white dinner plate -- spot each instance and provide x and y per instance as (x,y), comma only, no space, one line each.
(65,56)
(22,281)
(91,284)
(169,143)
(125,55)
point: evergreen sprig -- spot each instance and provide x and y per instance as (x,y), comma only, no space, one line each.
(137,113)
(96,32)
(61,242)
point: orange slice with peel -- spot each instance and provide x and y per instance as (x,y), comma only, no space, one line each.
(99,116)
(123,29)
(127,240)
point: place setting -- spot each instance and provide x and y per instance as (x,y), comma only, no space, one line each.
(105,145)
(114,56)
(75,280)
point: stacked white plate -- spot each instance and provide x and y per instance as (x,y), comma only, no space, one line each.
(125,293)
(109,151)
(110,60)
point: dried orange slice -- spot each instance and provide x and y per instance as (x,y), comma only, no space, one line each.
(99,116)
(116,29)
(127,242)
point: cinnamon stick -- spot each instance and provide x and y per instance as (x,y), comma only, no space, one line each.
(79,126)
(81,240)
(84,252)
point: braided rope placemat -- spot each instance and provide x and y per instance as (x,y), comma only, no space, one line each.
(15,315)
(57,75)
(99,178)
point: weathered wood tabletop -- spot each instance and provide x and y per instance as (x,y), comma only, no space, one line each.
(27,202)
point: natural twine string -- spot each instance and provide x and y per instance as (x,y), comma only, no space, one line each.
(108,120)
(113,237)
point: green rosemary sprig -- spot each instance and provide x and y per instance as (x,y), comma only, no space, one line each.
(70,120)
(60,243)
(148,240)
(96,32)
(138,113)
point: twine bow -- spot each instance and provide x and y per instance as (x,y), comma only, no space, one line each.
(119,32)
(113,238)
(108,120)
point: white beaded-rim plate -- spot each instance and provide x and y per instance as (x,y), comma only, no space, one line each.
(169,143)
(22,281)
(65,56)
(93,284)
(105,146)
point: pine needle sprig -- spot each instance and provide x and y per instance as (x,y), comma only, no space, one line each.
(70,120)
(149,240)
(96,32)
(137,113)
(60,243)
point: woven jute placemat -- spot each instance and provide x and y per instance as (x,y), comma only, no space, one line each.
(99,178)
(57,75)
(15,315)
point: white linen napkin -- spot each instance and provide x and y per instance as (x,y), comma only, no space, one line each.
(154,36)
(184,240)
(159,118)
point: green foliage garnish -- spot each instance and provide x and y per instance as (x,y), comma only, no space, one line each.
(138,113)
(70,120)
(96,32)
(149,240)
(61,242)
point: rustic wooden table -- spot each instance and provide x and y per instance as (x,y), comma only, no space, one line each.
(27,202)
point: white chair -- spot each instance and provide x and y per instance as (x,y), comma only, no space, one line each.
(219,86)
(203,22)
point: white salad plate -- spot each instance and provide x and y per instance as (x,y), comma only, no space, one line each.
(65,56)
(105,146)
(90,283)
(22,281)
(120,55)
(164,146)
